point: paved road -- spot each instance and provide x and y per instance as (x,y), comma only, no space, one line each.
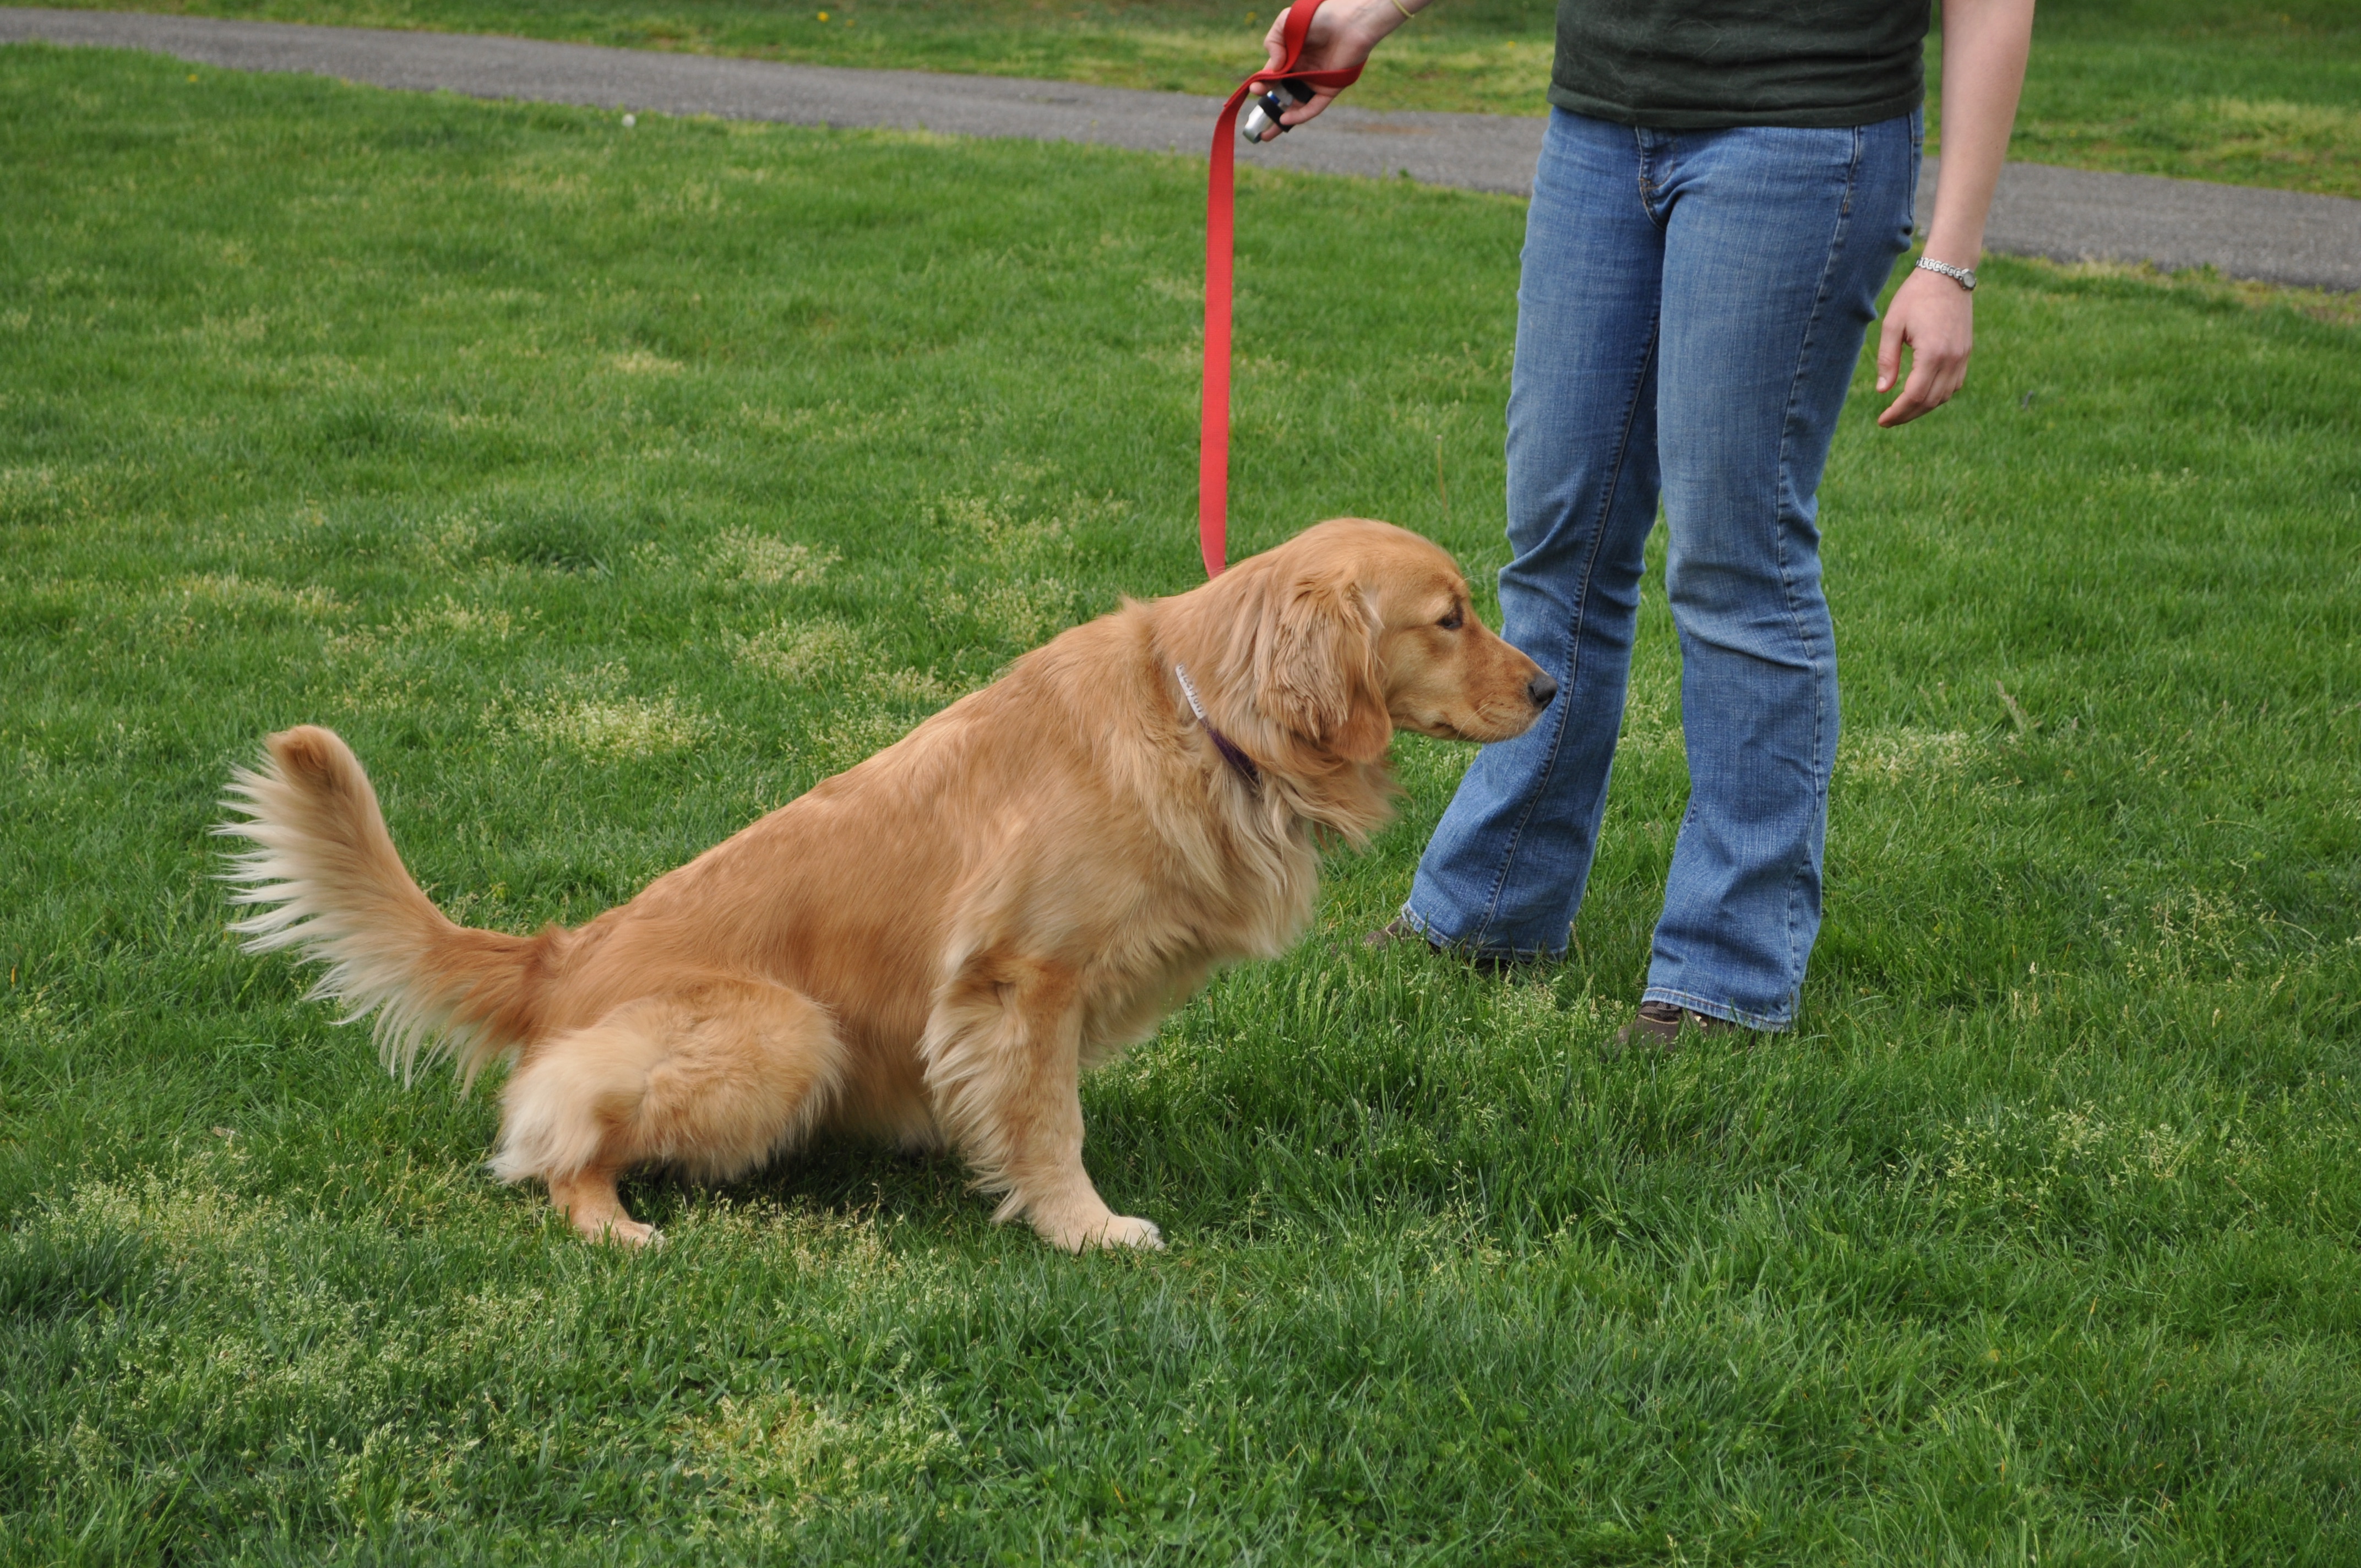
(2069,214)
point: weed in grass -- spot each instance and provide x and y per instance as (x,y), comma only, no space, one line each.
(2036,1239)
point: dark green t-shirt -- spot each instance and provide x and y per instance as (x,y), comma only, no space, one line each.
(1691,65)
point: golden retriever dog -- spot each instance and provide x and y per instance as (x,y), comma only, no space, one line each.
(931,948)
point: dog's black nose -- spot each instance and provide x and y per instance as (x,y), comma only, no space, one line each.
(1541,689)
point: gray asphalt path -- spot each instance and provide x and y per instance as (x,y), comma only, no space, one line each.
(2068,215)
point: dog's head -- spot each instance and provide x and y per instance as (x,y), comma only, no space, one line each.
(1364,627)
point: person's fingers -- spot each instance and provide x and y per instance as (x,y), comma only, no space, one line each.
(1889,351)
(1939,329)
(1301,113)
(1949,377)
(1911,400)
(1935,376)
(1274,45)
(1906,322)
(1901,411)
(1275,49)
(1298,114)
(1918,392)
(1329,45)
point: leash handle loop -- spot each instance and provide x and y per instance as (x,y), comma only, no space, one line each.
(1221,193)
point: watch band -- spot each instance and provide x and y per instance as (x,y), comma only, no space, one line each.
(1965,277)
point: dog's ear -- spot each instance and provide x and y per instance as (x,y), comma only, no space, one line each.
(1319,671)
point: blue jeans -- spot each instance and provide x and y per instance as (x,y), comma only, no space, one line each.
(1692,307)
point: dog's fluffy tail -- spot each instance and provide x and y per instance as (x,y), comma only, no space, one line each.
(325,878)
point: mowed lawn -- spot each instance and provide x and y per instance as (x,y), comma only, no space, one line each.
(2250,91)
(606,488)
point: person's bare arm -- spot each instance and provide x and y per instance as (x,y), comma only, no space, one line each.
(1343,33)
(1985,46)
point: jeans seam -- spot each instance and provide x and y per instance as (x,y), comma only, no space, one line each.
(1648,187)
(1779,518)
(1573,641)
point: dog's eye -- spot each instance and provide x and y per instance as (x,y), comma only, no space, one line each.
(1450,623)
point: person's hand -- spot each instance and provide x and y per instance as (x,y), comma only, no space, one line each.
(1342,34)
(1937,319)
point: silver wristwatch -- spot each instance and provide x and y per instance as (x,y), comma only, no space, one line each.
(1965,277)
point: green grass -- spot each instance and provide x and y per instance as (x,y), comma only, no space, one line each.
(606,488)
(1472,55)
(2250,91)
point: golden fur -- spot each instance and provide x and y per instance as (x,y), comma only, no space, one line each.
(932,947)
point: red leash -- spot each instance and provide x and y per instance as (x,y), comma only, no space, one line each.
(1220,191)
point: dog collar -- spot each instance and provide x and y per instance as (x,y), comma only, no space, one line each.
(1240,763)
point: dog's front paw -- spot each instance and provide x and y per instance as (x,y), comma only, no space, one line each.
(1124,1230)
(624,1232)
(1077,1232)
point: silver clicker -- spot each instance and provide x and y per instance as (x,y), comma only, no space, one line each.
(1264,112)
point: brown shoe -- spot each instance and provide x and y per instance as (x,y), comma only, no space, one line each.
(1398,930)
(1659,1024)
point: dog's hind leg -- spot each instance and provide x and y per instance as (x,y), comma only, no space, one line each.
(1004,1061)
(714,1077)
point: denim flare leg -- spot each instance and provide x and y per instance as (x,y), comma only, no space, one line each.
(1692,306)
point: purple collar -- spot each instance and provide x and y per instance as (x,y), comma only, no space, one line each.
(1240,763)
